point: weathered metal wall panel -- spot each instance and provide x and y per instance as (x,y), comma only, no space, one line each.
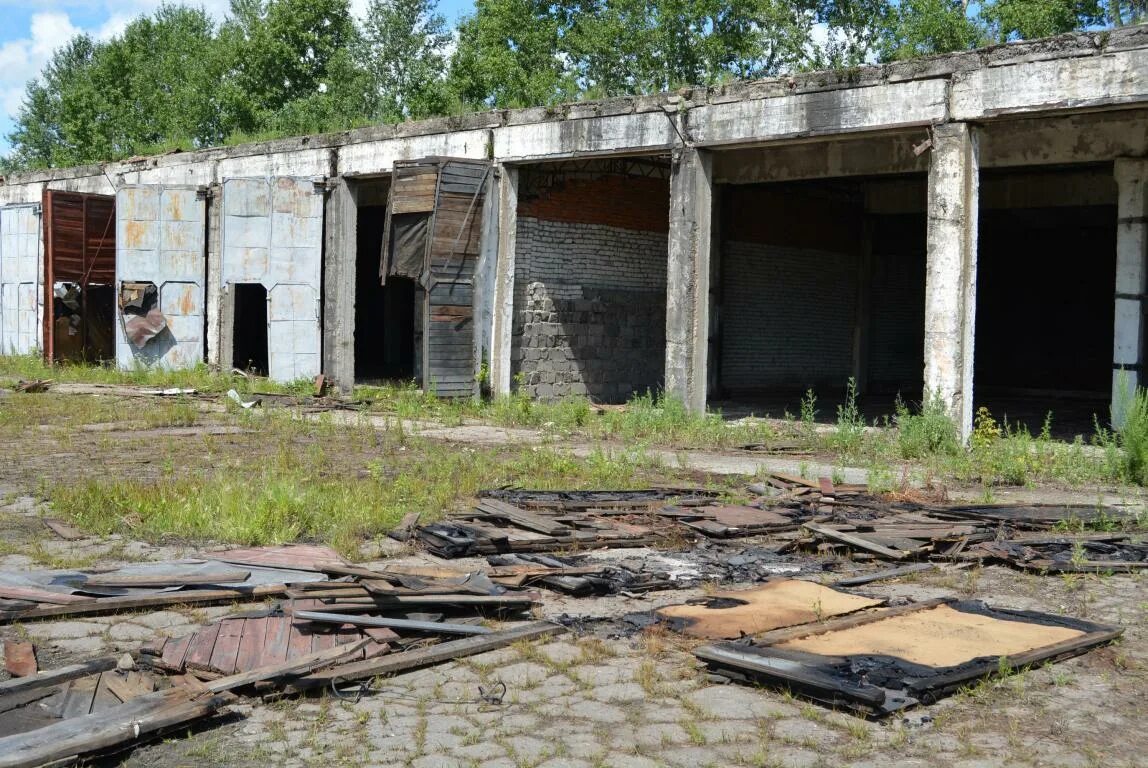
(160,239)
(20,281)
(273,235)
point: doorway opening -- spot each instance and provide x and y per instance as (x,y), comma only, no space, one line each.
(249,331)
(384,314)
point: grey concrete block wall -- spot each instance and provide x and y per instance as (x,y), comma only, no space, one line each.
(590,310)
(787,317)
(897,324)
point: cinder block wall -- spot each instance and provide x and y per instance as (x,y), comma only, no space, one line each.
(590,287)
(788,316)
(789,286)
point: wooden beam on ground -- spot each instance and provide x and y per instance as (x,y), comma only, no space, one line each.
(93,606)
(377,621)
(123,724)
(297,666)
(892,573)
(856,541)
(424,657)
(57,676)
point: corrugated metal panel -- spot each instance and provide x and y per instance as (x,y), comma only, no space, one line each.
(160,239)
(83,237)
(273,235)
(19,279)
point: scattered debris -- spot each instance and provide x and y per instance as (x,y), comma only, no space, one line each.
(170,392)
(780,603)
(20,658)
(35,386)
(231,393)
(63,530)
(1101,553)
(882,661)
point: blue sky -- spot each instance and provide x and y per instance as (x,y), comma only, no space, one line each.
(31,29)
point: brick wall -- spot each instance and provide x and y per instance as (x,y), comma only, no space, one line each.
(624,202)
(590,290)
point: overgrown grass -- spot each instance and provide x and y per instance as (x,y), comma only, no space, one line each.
(306,493)
(199,377)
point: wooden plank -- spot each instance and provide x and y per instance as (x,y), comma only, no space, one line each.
(57,676)
(452,649)
(63,530)
(202,644)
(174,652)
(825,485)
(19,658)
(437,627)
(299,644)
(105,698)
(855,541)
(40,595)
(277,640)
(123,724)
(78,697)
(250,653)
(227,646)
(93,606)
(228,576)
(522,518)
(298,557)
(891,573)
(301,665)
(381,634)
(130,685)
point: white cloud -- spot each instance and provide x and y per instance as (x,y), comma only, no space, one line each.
(21,60)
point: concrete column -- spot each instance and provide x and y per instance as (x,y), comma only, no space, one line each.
(951,281)
(484,279)
(213,210)
(1131,281)
(688,277)
(340,251)
(502,315)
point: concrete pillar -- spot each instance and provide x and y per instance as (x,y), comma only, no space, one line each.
(1131,281)
(213,210)
(688,277)
(502,314)
(484,279)
(951,280)
(340,251)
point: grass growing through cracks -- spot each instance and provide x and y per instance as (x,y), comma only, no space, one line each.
(294,480)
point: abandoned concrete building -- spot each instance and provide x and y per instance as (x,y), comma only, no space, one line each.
(972,223)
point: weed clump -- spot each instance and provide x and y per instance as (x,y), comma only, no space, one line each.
(1134,438)
(929,432)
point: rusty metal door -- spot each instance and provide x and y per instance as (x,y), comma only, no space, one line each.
(161,240)
(79,250)
(273,235)
(19,279)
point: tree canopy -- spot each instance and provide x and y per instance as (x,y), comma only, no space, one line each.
(178,78)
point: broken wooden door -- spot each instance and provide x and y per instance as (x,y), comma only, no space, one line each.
(273,235)
(433,232)
(160,275)
(79,275)
(19,279)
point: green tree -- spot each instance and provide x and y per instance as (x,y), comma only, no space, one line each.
(1027,19)
(923,27)
(512,53)
(152,86)
(404,52)
(291,68)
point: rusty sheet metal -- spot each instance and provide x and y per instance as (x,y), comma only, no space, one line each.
(20,281)
(161,239)
(273,235)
